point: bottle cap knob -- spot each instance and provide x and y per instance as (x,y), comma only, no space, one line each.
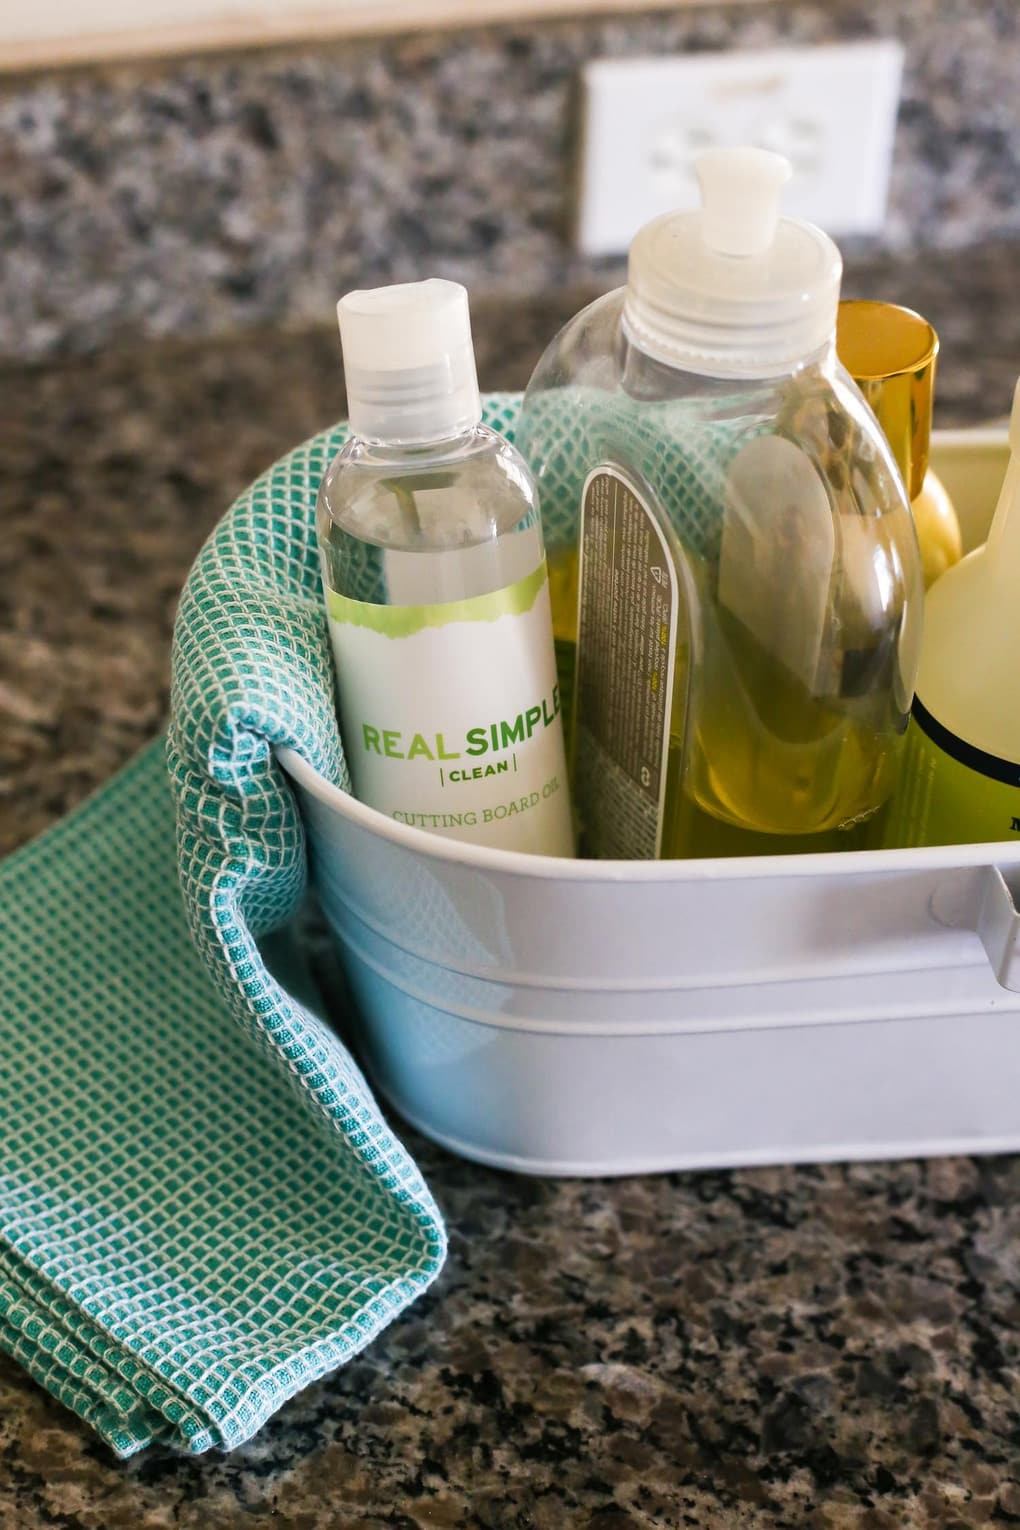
(740,193)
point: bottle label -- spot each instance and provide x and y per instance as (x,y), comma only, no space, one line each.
(450,715)
(951,793)
(626,653)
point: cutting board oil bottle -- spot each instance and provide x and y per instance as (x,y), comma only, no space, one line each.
(961,774)
(436,588)
(733,548)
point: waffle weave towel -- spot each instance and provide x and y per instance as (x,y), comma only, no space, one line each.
(201,1207)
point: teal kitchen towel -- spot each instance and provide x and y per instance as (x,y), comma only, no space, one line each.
(201,1207)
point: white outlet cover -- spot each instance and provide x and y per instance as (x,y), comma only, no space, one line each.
(831,110)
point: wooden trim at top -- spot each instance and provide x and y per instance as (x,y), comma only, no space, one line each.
(305,20)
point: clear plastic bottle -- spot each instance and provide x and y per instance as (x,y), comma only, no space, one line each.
(436,587)
(745,515)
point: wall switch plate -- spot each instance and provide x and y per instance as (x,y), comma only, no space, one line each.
(830,110)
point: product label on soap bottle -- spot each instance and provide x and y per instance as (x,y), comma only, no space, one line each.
(626,655)
(451,717)
(949,791)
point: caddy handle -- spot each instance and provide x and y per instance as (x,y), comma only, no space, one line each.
(998,925)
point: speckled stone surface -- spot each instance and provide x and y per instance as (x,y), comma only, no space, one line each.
(815,1347)
(196,196)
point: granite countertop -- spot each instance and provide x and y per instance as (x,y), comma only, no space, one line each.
(820,1347)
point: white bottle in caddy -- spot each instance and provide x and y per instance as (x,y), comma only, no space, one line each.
(436,587)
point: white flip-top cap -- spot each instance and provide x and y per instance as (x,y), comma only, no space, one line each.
(733,290)
(409,362)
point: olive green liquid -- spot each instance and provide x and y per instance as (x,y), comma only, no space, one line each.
(771,769)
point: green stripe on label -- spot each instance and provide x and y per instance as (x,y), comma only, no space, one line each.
(405,621)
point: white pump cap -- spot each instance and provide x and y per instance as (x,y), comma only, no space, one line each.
(733,290)
(409,362)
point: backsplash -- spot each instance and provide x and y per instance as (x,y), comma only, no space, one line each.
(200,196)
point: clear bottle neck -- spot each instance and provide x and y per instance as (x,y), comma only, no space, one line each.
(383,449)
(646,378)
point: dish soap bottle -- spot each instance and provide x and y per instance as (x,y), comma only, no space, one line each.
(749,605)
(890,352)
(436,587)
(961,773)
